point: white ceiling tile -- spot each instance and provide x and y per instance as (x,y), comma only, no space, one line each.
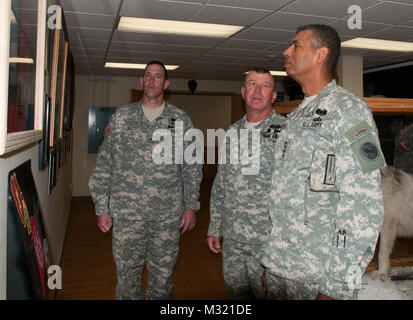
(264,34)
(230,52)
(402,1)
(366,28)
(326,8)
(261,4)
(88,20)
(135,46)
(94,44)
(89,34)
(89,52)
(394,33)
(289,21)
(195,40)
(409,23)
(216,58)
(187,49)
(109,7)
(140,37)
(228,15)
(246,44)
(389,12)
(159,9)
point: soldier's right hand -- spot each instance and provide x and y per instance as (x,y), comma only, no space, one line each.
(214,244)
(104,222)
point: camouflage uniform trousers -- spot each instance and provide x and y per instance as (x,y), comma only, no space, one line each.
(136,242)
(242,270)
(285,289)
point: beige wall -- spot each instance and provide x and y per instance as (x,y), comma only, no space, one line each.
(55,207)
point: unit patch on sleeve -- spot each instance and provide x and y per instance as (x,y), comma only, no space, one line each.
(365,147)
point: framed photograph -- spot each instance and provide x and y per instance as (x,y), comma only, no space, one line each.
(22,58)
(44,143)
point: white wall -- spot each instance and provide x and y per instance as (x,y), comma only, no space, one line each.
(55,207)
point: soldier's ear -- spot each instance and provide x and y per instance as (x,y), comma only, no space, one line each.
(322,54)
(141,82)
(274,96)
(166,85)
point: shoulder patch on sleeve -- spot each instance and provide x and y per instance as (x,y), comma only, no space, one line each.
(365,147)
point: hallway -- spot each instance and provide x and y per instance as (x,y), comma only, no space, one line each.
(88,269)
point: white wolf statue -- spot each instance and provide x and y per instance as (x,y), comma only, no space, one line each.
(397,187)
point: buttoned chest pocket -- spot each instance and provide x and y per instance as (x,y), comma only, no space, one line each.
(307,136)
(134,145)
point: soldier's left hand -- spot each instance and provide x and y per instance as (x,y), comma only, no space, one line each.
(188,220)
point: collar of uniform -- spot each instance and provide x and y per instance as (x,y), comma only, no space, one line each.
(165,113)
(330,86)
(260,125)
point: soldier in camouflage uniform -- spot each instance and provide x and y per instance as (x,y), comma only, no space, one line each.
(403,151)
(326,199)
(147,203)
(239,207)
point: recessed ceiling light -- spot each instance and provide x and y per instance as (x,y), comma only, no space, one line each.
(177,27)
(20,60)
(134,65)
(378,44)
(279,73)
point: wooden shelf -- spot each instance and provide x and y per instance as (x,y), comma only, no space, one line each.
(377,105)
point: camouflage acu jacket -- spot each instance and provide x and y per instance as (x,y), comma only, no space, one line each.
(239,202)
(326,200)
(127,183)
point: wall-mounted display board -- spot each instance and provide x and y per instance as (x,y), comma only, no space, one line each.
(27,247)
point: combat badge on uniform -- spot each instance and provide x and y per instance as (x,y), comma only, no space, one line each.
(364,147)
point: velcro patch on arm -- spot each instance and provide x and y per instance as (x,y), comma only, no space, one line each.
(364,146)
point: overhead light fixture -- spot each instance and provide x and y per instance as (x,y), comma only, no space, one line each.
(177,27)
(275,73)
(134,65)
(21,60)
(378,44)
(279,73)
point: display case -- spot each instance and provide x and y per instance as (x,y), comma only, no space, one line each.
(22,56)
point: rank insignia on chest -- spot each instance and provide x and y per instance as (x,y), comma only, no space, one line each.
(171,123)
(321,112)
(272,132)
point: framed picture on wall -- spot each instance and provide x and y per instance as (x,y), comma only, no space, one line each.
(60,50)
